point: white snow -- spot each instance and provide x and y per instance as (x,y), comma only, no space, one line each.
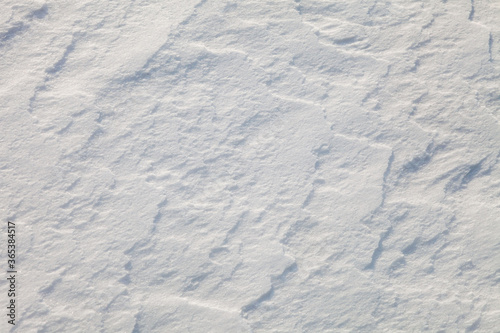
(251,166)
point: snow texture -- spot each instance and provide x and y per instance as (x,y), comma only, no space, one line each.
(252,166)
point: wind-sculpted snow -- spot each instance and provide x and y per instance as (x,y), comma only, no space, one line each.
(252,166)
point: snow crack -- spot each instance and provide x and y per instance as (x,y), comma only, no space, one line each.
(58,66)
(51,72)
(16,29)
(472,11)
(270,293)
(380,248)
(255,304)
(490,47)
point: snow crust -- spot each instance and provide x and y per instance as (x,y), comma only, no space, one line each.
(252,166)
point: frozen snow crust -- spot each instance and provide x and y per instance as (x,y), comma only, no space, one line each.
(252,166)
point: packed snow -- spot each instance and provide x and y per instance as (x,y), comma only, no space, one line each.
(251,166)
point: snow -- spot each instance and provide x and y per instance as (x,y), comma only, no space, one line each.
(252,166)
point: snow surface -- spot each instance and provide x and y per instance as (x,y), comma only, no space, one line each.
(252,166)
